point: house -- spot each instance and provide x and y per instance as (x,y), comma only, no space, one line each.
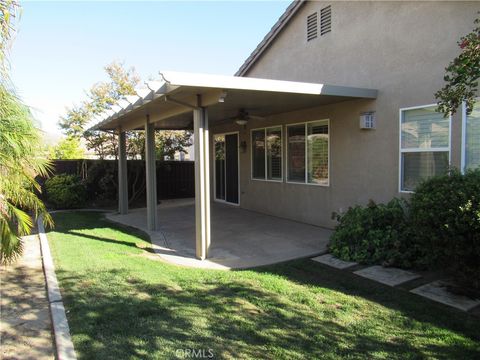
(333,108)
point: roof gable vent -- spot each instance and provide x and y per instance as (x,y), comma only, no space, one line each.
(325,20)
(312,26)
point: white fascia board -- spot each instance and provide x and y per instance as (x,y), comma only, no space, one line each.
(143,93)
(116,108)
(156,86)
(255,84)
(123,103)
(132,99)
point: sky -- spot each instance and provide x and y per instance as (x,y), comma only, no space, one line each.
(60,48)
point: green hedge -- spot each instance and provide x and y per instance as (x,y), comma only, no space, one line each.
(375,234)
(438,228)
(445,214)
(65,191)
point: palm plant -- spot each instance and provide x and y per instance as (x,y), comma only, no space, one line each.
(20,163)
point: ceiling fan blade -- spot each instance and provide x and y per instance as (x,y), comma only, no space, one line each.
(256,117)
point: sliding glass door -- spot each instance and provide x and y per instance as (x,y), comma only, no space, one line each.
(226,168)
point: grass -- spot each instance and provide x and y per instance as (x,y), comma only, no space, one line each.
(123,303)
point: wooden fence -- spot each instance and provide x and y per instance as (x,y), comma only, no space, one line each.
(175,179)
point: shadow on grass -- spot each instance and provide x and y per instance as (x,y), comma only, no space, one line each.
(311,273)
(133,318)
(114,314)
(107,240)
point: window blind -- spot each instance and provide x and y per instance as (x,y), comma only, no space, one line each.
(424,146)
(317,152)
(424,129)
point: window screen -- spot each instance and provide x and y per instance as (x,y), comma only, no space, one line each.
(274,153)
(317,152)
(258,154)
(267,154)
(296,153)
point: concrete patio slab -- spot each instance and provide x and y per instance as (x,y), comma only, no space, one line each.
(387,276)
(330,260)
(240,238)
(437,291)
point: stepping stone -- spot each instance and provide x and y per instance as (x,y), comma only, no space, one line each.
(330,260)
(437,291)
(387,276)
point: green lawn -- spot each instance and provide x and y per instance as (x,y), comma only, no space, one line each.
(124,303)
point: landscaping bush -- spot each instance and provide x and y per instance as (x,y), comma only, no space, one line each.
(445,214)
(439,228)
(375,234)
(65,191)
(101,181)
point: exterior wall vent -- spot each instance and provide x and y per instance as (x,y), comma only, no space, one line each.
(312,26)
(367,120)
(325,20)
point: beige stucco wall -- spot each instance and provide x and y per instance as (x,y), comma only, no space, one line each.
(399,48)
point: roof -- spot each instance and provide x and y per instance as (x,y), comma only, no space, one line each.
(169,102)
(271,35)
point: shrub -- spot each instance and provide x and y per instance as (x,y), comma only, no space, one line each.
(101,181)
(376,233)
(445,214)
(65,191)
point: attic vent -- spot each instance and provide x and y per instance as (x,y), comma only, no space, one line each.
(312,26)
(325,20)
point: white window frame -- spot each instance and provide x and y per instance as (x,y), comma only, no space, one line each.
(266,162)
(306,154)
(464,135)
(414,150)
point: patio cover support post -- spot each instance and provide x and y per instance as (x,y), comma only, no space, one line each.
(202,183)
(122,173)
(151,174)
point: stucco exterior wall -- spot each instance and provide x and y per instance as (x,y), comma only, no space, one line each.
(399,48)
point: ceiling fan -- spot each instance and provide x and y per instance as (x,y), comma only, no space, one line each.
(243,116)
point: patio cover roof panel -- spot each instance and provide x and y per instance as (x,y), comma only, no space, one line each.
(260,97)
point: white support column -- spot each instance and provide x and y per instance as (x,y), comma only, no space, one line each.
(202,183)
(150,167)
(122,173)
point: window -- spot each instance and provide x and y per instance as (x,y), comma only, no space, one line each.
(267,154)
(308,153)
(424,145)
(471,138)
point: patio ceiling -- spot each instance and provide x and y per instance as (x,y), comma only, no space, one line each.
(169,102)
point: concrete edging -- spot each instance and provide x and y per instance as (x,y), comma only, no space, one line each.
(61,331)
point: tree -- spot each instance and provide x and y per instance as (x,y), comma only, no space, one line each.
(19,160)
(68,148)
(462,75)
(102,96)
(171,141)
(9,10)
